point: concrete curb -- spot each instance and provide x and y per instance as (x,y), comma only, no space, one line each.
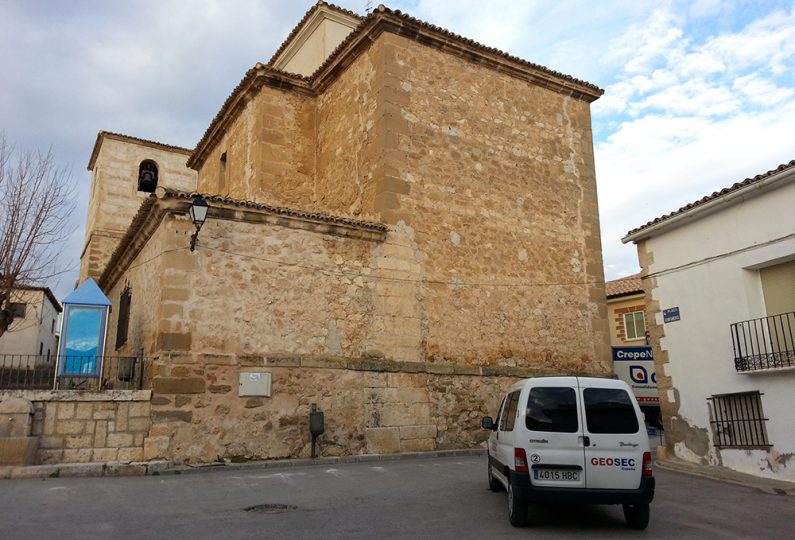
(304,462)
(153,468)
(723,474)
(64,470)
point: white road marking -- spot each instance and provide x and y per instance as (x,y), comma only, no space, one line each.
(287,477)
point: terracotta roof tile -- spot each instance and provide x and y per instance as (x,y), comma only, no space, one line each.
(284,79)
(303,21)
(314,216)
(287,80)
(143,218)
(716,195)
(493,50)
(624,286)
(121,136)
(47,292)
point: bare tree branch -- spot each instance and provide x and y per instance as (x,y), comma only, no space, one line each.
(36,205)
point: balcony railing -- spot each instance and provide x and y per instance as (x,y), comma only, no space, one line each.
(765,343)
(32,372)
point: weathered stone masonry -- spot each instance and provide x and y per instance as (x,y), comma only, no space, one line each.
(396,238)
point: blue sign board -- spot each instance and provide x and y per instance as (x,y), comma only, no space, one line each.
(635,366)
(671,314)
(83,330)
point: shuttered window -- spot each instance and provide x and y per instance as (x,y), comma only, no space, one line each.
(124,317)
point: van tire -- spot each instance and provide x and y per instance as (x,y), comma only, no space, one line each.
(637,515)
(494,484)
(517,510)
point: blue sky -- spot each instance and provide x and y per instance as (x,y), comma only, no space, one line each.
(699,94)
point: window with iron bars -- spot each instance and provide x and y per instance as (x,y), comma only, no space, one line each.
(124,317)
(738,421)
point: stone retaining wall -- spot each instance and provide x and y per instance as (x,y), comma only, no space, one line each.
(371,406)
(80,427)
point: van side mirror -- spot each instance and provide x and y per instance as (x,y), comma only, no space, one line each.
(488,423)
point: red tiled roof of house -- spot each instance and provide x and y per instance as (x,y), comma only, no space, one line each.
(716,195)
(623,286)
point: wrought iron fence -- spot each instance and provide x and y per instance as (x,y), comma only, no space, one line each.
(738,421)
(33,372)
(764,343)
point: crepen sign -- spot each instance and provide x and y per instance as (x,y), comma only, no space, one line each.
(635,366)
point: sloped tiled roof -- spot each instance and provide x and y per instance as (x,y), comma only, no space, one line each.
(402,24)
(314,216)
(487,49)
(716,195)
(119,136)
(143,219)
(303,21)
(624,286)
(47,292)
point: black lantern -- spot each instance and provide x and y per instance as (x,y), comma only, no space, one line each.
(198,213)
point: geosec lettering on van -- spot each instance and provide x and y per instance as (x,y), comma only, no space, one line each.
(626,464)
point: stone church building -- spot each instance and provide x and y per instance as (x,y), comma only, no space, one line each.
(402,222)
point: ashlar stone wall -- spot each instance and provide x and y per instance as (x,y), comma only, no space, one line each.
(496,178)
(82,427)
(198,415)
(487,182)
(114,196)
(267,154)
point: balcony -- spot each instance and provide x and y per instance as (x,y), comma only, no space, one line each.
(767,343)
(31,372)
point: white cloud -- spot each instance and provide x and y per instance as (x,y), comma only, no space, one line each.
(696,97)
(655,165)
(766,43)
(761,91)
(713,111)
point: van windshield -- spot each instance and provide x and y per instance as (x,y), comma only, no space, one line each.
(552,409)
(609,410)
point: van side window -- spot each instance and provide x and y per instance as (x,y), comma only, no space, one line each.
(552,409)
(500,411)
(609,410)
(509,415)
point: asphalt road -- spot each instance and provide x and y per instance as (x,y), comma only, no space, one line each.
(417,498)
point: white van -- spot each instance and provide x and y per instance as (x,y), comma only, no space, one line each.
(573,440)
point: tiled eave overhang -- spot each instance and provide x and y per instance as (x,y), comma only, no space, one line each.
(747,188)
(102,135)
(380,21)
(156,207)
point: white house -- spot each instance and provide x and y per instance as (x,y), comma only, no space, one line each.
(719,282)
(31,338)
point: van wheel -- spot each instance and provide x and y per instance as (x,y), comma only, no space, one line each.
(637,515)
(494,484)
(517,510)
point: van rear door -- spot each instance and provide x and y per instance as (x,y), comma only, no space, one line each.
(615,436)
(552,438)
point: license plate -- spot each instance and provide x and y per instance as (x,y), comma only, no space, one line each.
(556,474)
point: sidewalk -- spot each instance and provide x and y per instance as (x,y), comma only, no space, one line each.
(125,468)
(724,474)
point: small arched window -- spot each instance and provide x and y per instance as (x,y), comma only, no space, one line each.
(147,176)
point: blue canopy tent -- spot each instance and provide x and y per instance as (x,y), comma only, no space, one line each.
(83,331)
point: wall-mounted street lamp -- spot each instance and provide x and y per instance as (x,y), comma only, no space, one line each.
(198,213)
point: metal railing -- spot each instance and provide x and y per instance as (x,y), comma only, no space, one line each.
(738,421)
(764,343)
(33,372)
